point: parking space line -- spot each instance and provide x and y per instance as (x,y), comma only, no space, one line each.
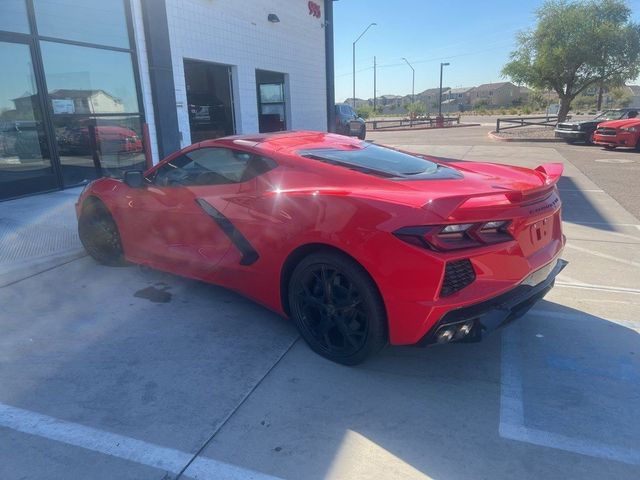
(612,224)
(601,288)
(592,190)
(126,448)
(546,313)
(603,255)
(512,425)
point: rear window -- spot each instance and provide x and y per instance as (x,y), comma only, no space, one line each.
(375,160)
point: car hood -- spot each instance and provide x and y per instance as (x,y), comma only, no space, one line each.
(627,122)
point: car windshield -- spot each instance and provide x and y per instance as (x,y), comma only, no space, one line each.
(611,115)
(374,160)
(346,110)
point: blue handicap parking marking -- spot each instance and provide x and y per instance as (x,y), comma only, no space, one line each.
(574,377)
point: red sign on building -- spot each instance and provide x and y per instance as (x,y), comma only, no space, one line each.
(314,9)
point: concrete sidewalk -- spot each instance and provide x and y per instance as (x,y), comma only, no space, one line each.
(37,233)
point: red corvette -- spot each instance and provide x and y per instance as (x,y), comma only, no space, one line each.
(359,244)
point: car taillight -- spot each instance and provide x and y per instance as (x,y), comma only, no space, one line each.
(456,236)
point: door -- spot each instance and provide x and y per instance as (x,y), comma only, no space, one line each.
(177,220)
(25,156)
(272,116)
(210,100)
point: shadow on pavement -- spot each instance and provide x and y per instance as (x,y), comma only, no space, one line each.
(412,413)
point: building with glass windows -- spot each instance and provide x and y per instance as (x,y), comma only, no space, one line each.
(98,87)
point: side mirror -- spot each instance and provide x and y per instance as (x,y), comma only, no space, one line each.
(134,178)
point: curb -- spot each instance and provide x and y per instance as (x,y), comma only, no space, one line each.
(409,129)
(494,136)
(16,271)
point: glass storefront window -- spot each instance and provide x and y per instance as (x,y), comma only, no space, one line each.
(25,164)
(101,22)
(85,80)
(92,146)
(13,16)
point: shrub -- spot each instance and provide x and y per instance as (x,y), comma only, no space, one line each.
(364,111)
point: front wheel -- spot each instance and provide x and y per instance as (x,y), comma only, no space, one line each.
(99,234)
(589,139)
(363,133)
(337,308)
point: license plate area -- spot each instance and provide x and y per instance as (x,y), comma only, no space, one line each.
(541,232)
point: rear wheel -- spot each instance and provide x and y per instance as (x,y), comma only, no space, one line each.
(99,234)
(337,308)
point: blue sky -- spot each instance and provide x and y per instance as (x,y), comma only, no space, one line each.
(476,37)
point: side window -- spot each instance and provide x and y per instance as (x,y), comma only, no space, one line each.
(212,166)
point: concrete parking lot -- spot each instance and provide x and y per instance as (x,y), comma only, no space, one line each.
(130,373)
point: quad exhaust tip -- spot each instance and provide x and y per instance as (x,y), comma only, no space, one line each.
(458,331)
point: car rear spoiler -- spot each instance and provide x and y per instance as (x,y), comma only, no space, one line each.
(549,173)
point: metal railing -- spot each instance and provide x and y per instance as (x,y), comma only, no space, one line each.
(518,122)
(432,122)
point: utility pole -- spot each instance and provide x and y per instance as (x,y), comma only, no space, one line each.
(374,85)
(354,62)
(440,102)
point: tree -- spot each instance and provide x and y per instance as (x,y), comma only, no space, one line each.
(621,96)
(576,45)
(537,100)
(364,111)
(414,109)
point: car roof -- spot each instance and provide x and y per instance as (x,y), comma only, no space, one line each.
(287,140)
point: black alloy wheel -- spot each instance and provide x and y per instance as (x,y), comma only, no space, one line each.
(99,234)
(337,308)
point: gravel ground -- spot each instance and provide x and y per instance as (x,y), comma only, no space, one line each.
(529,133)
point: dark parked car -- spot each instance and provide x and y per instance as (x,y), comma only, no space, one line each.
(349,123)
(583,131)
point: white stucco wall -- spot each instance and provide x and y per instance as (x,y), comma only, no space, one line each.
(237,33)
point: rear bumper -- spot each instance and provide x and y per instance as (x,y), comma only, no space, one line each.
(490,314)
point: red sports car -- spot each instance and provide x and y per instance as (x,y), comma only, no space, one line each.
(618,133)
(361,245)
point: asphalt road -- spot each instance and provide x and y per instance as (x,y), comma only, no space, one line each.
(617,172)
(135,374)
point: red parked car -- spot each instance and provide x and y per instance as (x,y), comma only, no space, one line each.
(359,244)
(618,133)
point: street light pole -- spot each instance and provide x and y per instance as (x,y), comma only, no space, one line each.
(413,80)
(354,62)
(440,102)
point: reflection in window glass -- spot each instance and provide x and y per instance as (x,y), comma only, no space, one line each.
(114,144)
(211,166)
(13,16)
(84,80)
(24,157)
(101,22)
(271,93)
